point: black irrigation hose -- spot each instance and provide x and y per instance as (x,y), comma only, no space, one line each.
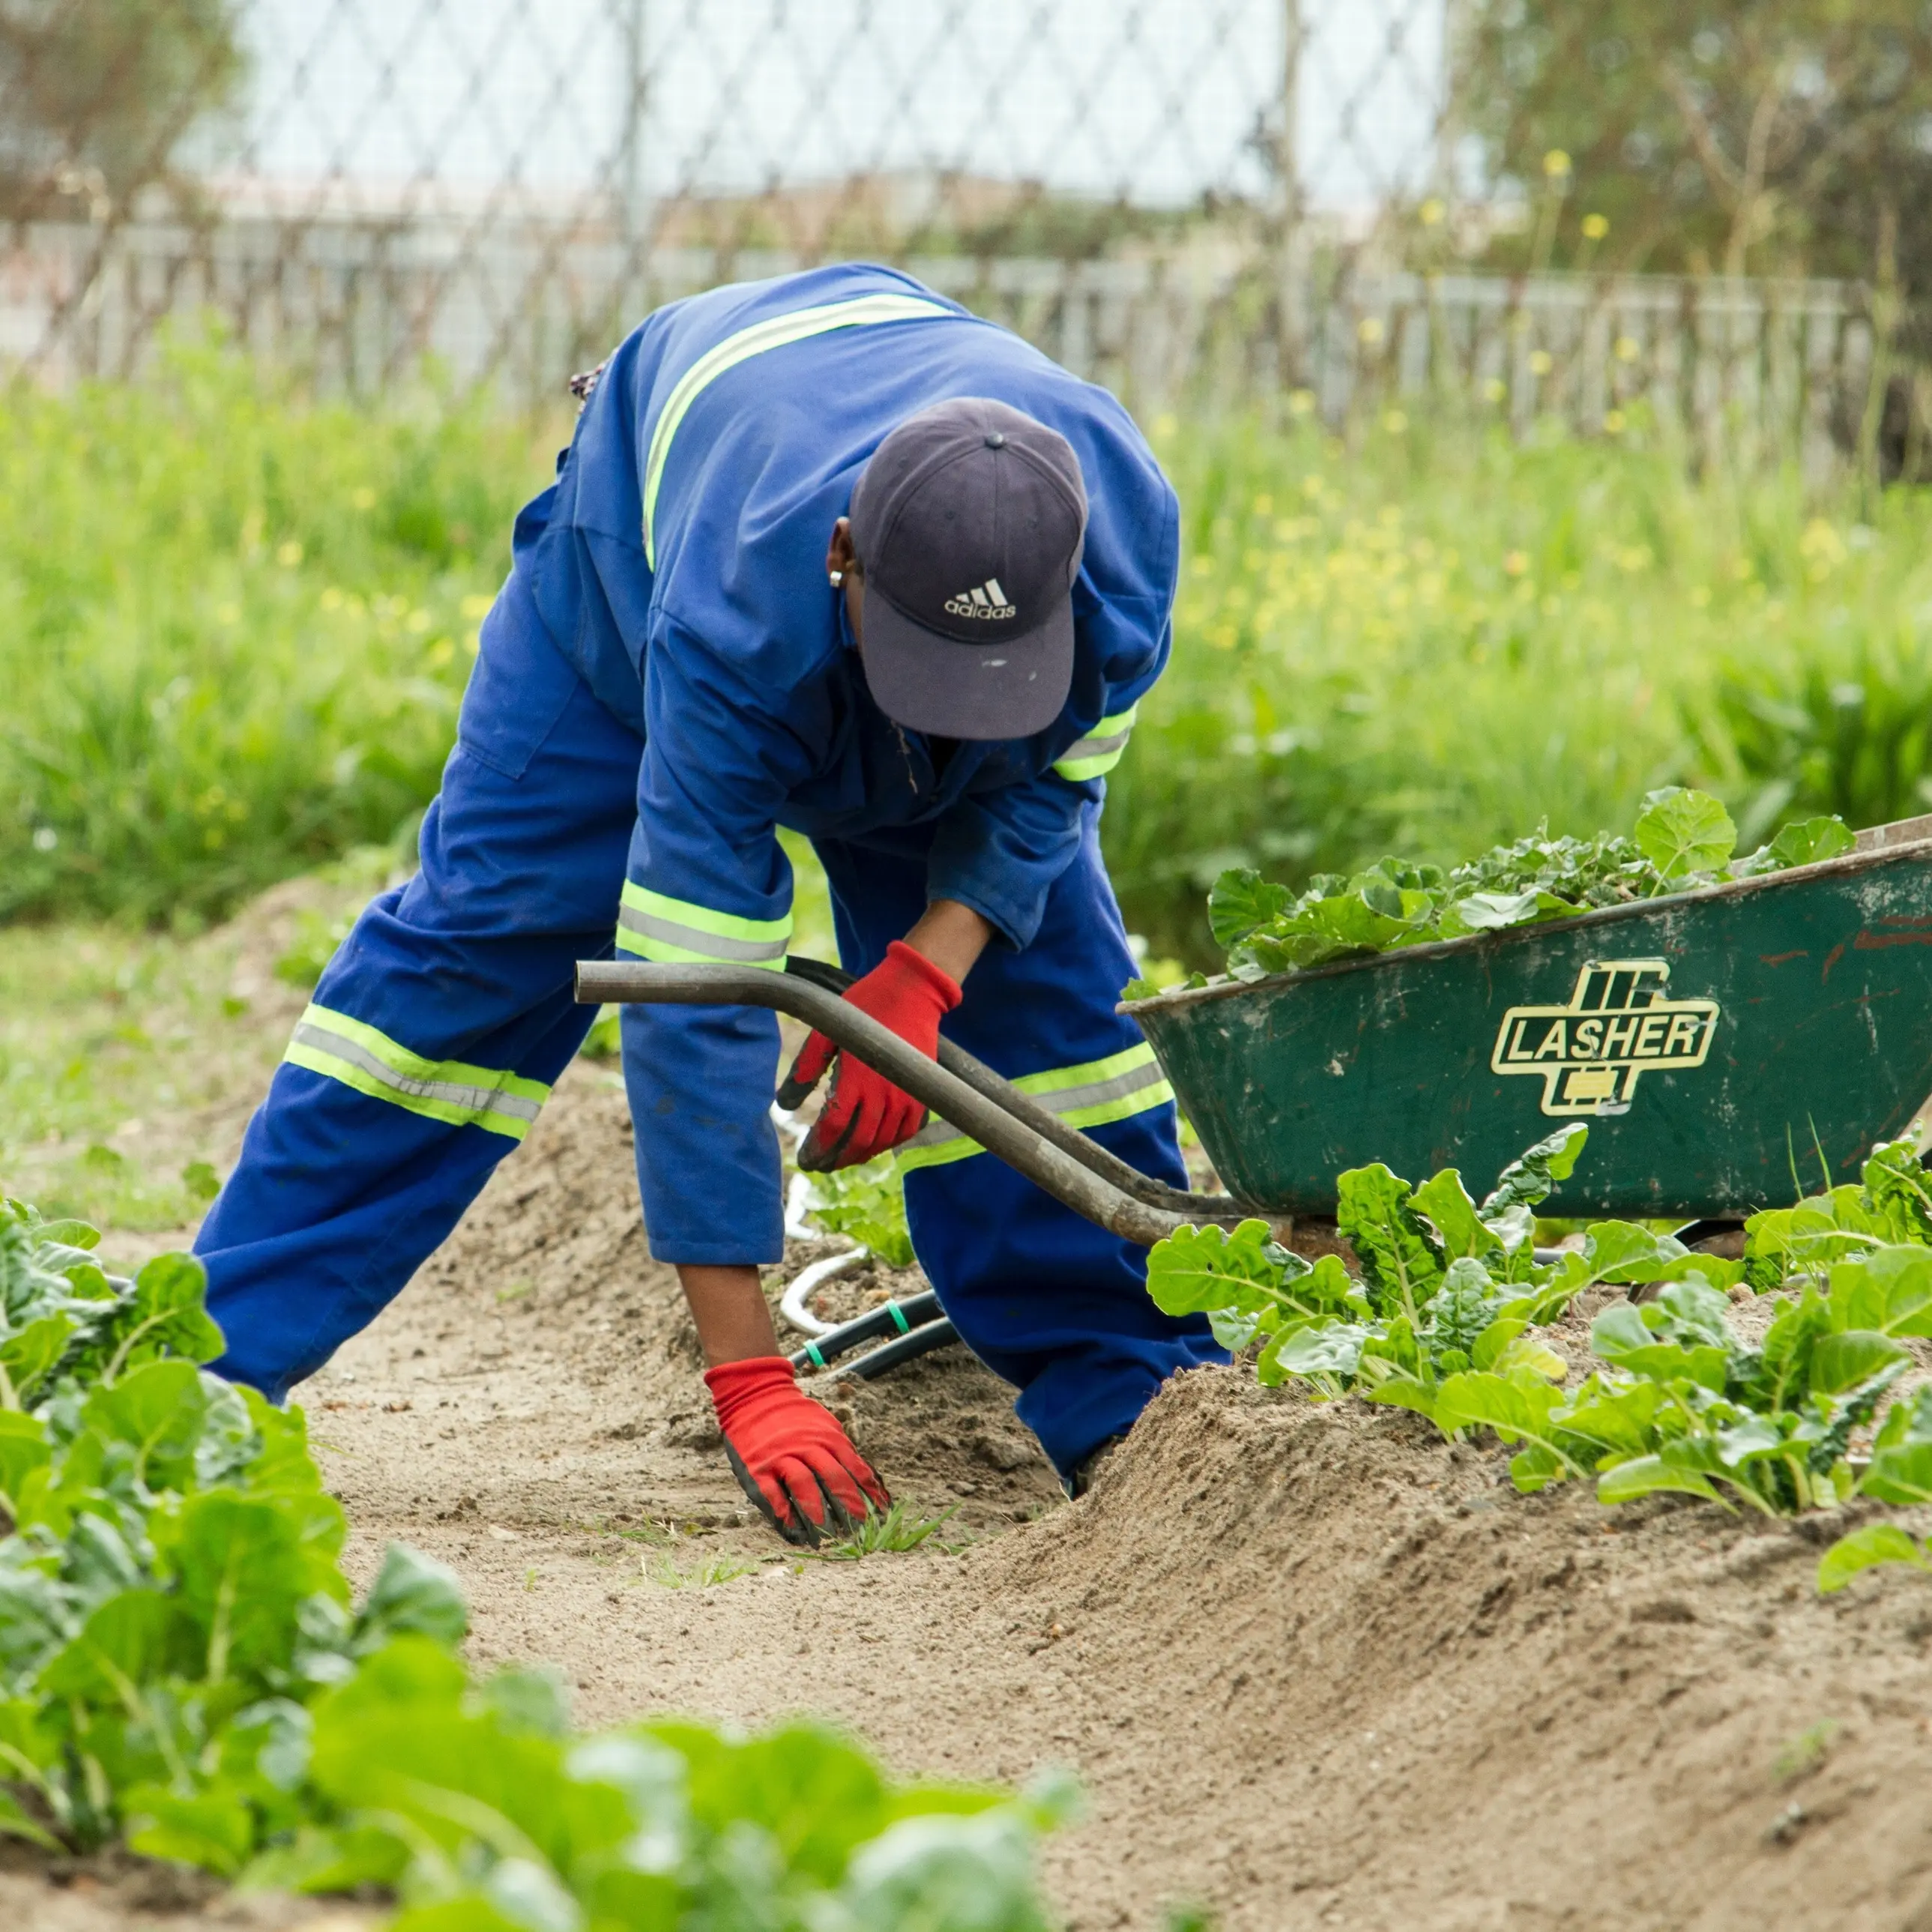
(897,1353)
(893,1317)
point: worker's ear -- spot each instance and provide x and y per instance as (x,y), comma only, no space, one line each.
(840,557)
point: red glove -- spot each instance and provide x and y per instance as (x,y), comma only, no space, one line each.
(865,1114)
(789,1454)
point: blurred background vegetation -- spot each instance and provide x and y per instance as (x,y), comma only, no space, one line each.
(235,624)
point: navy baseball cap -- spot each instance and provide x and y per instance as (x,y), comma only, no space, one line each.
(968,523)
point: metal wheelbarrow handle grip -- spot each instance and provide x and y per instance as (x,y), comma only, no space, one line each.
(995,1122)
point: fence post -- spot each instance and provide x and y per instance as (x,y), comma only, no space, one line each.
(630,170)
(1290,263)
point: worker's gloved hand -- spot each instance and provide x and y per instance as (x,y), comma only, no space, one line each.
(865,1114)
(788,1452)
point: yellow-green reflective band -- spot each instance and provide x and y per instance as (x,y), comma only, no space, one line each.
(1088,1095)
(1099,752)
(451,1091)
(675,932)
(776,332)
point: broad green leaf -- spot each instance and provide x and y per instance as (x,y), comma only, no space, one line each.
(1534,1175)
(1844,1362)
(1327,1351)
(129,1642)
(1619,1335)
(1241,901)
(1682,832)
(1530,1353)
(1376,1215)
(1621,1252)
(1863,1549)
(163,1316)
(1446,1202)
(1197,1269)
(157,1409)
(1518,1408)
(1491,912)
(1900,1474)
(1889,1291)
(68,1234)
(1616,1422)
(214,1828)
(966,1873)
(28,1356)
(1646,1475)
(1400,1392)
(1806,841)
(414,1595)
(23,1448)
(243,1565)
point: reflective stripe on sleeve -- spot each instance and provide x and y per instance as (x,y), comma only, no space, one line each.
(1088,1096)
(1099,752)
(774,332)
(451,1091)
(675,932)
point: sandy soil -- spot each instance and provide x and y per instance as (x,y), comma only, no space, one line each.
(1314,1666)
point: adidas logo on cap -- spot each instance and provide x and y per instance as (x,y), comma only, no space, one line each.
(987,601)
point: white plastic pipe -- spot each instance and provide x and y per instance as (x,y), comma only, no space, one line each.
(792,1303)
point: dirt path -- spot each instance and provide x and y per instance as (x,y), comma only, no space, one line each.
(1314,1667)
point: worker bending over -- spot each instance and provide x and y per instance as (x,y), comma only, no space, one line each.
(825,552)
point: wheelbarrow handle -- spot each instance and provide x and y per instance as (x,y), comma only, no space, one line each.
(1043,1120)
(992,1121)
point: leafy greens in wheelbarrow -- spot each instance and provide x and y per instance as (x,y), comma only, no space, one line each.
(1682,840)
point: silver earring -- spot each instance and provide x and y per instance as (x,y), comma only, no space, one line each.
(836,578)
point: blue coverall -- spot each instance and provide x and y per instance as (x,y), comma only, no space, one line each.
(666,678)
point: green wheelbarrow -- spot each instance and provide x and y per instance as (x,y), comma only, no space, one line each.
(1728,1048)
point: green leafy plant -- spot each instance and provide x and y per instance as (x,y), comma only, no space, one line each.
(1441,1320)
(866,1203)
(181,1662)
(1681,839)
(893,1531)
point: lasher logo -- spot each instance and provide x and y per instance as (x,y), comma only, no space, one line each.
(987,601)
(1617,1027)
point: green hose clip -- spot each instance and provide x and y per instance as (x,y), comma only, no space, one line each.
(812,1355)
(899,1317)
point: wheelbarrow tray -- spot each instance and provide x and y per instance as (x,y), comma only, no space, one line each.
(1717,1042)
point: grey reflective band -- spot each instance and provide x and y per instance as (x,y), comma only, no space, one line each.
(477,1100)
(1097,748)
(705,945)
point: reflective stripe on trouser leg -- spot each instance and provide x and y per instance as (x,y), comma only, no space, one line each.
(362,1056)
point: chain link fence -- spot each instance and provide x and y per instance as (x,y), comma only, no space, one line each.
(1194,201)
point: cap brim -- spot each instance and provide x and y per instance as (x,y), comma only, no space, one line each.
(937,685)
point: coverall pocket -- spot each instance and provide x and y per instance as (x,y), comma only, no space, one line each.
(519,689)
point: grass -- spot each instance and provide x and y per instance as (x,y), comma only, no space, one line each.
(891,1530)
(234,629)
(670,1575)
(234,626)
(1429,638)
